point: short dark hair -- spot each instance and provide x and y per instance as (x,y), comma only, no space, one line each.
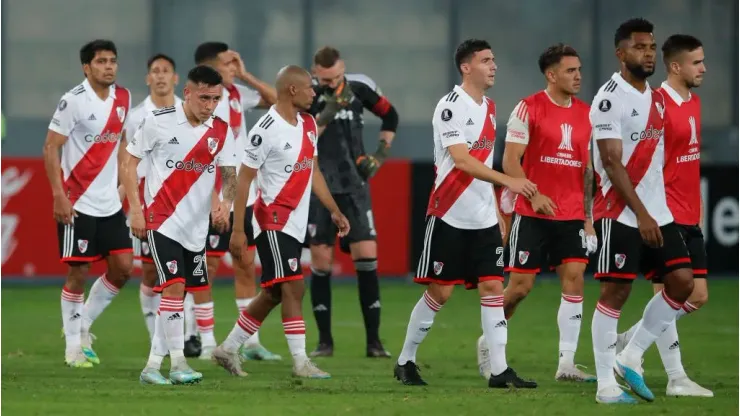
(464,53)
(635,25)
(208,51)
(676,44)
(552,55)
(90,49)
(158,57)
(326,57)
(203,74)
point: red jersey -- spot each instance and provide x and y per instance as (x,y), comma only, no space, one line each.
(558,142)
(681,171)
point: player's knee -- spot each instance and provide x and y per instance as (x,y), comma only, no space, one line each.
(364,249)
(680,285)
(519,286)
(440,293)
(700,296)
(615,295)
(321,257)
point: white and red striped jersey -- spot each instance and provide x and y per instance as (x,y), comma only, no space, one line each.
(236,100)
(619,111)
(93,128)
(133,121)
(457,198)
(183,161)
(283,155)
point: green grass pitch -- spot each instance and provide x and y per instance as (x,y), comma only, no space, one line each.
(35,381)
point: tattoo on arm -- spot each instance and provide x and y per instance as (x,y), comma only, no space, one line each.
(228,174)
(588,183)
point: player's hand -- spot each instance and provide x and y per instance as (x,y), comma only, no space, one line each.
(238,244)
(592,242)
(137,224)
(63,210)
(522,186)
(341,222)
(368,166)
(649,230)
(241,69)
(343,94)
(542,204)
(220,217)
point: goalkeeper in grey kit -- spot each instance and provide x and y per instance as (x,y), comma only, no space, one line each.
(339,106)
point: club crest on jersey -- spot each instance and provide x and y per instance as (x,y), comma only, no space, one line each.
(438,265)
(213,240)
(121,112)
(619,260)
(172,266)
(523,257)
(312,230)
(82,245)
(145,248)
(212,145)
(293,263)
(660,108)
(235,105)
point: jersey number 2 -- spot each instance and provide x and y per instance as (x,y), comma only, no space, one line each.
(500,252)
(198,260)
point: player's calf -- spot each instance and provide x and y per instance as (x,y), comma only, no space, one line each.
(519,286)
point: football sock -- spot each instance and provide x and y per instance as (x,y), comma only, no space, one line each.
(242,304)
(569,323)
(244,328)
(171,314)
(495,331)
(205,322)
(367,284)
(604,338)
(72,318)
(422,318)
(295,333)
(100,296)
(670,352)
(149,304)
(159,344)
(321,303)
(659,313)
(191,326)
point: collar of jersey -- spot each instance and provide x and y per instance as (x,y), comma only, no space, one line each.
(182,118)
(458,89)
(674,94)
(149,104)
(91,93)
(617,77)
(280,118)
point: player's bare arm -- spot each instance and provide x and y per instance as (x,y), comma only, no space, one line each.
(588,196)
(121,156)
(611,158)
(321,190)
(476,168)
(512,164)
(266,91)
(130,182)
(238,242)
(228,175)
(63,209)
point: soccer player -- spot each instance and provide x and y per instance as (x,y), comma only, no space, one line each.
(632,216)
(236,99)
(184,145)
(683,56)
(87,127)
(463,244)
(161,79)
(282,150)
(339,107)
(548,141)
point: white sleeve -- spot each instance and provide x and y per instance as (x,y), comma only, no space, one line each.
(133,120)
(145,137)
(250,98)
(65,117)
(227,155)
(517,129)
(606,115)
(256,149)
(448,124)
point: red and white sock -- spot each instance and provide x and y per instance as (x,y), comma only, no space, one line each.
(659,313)
(295,333)
(570,316)
(604,338)
(204,320)
(171,313)
(495,331)
(420,322)
(242,304)
(100,296)
(149,304)
(244,328)
(72,318)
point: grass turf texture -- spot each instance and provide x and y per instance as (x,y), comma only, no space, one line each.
(35,381)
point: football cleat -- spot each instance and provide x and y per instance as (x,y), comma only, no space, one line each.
(90,355)
(185,375)
(614,395)
(153,376)
(685,387)
(192,347)
(376,350)
(77,360)
(408,374)
(509,378)
(631,372)
(257,353)
(229,361)
(573,373)
(308,369)
(323,350)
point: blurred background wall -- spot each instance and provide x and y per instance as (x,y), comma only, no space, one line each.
(406,46)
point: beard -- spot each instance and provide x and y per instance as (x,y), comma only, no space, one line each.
(638,71)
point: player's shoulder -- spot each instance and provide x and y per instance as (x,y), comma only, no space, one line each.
(243,89)
(265,126)
(449,107)
(362,81)
(609,96)
(164,112)
(75,96)
(580,104)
